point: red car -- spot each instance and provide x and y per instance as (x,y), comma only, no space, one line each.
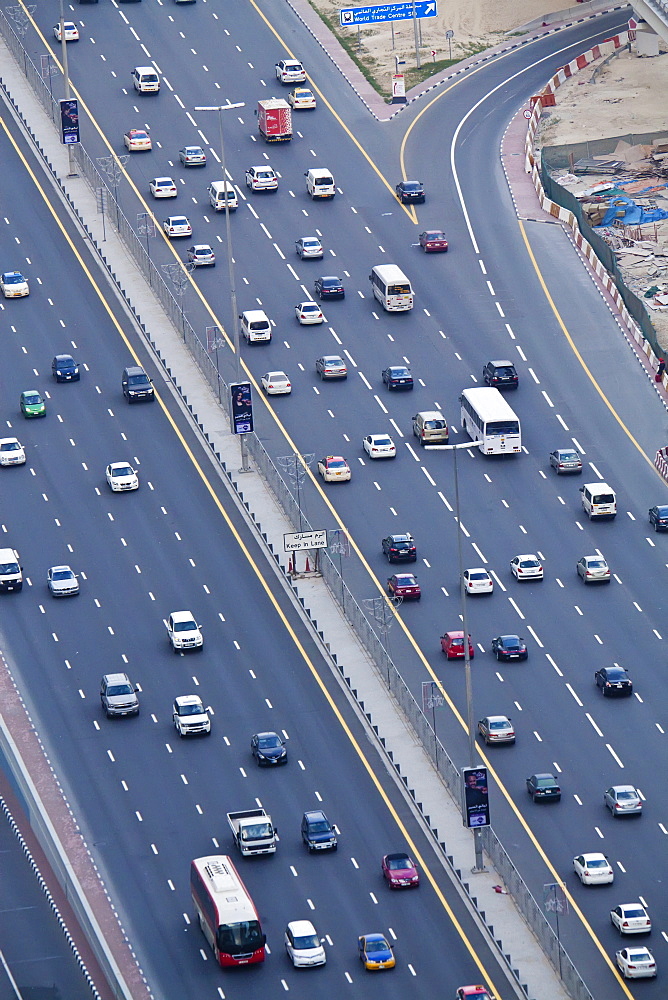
(478,992)
(404,585)
(452,644)
(400,872)
(433,241)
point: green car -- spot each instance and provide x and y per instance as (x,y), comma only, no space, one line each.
(32,404)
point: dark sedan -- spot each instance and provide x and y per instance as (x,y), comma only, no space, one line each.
(614,682)
(65,369)
(433,241)
(329,287)
(404,585)
(544,788)
(269,749)
(509,647)
(658,517)
(410,191)
(397,377)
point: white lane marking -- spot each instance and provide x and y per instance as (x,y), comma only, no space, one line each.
(569,688)
(534,376)
(595,470)
(547,399)
(445,502)
(381,403)
(529,629)
(516,608)
(365,380)
(614,755)
(595,727)
(562,421)
(492,573)
(426,472)
(482,558)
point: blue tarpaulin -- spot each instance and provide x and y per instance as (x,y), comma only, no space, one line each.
(625,210)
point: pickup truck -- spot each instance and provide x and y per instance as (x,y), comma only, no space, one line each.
(253,831)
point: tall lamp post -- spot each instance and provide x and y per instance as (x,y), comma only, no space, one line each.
(245,467)
(479,865)
(66,74)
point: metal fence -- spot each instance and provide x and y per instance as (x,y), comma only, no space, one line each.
(356,616)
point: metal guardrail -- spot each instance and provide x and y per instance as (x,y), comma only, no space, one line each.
(353,612)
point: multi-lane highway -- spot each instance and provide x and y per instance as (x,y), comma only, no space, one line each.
(484,299)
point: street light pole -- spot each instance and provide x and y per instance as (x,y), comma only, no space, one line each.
(479,865)
(245,467)
(63,44)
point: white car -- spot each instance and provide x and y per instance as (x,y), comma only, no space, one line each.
(636,963)
(276,384)
(290,71)
(162,187)
(261,178)
(183,631)
(527,567)
(478,581)
(379,446)
(62,581)
(192,156)
(303,945)
(13,285)
(201,255)
(309,313)
(137,140)
(593,869)
(631,918)
(122,477)
(189,715)
(70,31)
(177,225)
(309,248)
(12,452)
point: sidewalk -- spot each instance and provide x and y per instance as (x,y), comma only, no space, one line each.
(418,783)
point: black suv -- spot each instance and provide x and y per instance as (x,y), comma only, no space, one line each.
(65,369)
(500,375)
(399,548)
(317,832)
(137,386)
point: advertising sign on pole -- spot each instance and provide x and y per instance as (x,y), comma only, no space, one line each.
(241,408)
(475,797)
(69,121)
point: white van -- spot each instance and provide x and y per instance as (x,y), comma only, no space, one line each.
(11,571)
(255,326)
(218,191)
(320,183)
(145,80)
(598,500)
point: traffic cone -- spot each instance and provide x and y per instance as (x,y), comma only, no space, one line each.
(291,567)
(308,568)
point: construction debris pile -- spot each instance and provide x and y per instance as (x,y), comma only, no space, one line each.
(630,212)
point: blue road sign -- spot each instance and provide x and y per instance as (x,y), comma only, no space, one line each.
(402,11)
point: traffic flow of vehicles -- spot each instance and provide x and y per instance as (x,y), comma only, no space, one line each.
(490,422)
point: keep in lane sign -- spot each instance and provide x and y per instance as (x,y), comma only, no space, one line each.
(387,12)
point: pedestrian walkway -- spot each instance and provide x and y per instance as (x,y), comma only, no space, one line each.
(419,781)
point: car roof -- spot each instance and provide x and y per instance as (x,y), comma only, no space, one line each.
(399,856)
(116,678)
(300,928)
(182,616)
(314,815)
(330,277)
(502,364)
(188,699)
(267,734)
(457,634)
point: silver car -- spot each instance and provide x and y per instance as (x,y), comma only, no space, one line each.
(593,569)
(331,366)
(118,695)
(623,800)
(62,581)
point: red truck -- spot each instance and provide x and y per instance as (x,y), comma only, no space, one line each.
(274,119)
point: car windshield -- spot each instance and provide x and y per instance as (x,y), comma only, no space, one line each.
(375,947)
(596,563)
(32,398)
(117,689)
(307,941)
(528,563)
(382,441)
(62,574)
(399,864)
(10,446)
(320,826)
(137,380)
(616,674)
(604,498)
(340,464)
(434,425)
(633,912)
(504,371)
(13,279)
(568,456)
(310,307)
(195,709)
(330,282)
(639,956)
(405,581)
(399,372)
(122,470)
(269,742)
(499,724)
(597,863)
(626,794)
(412,186)
(7,568)
(310,243)
(189,626)
(545,782)
(478,576)
(510,641)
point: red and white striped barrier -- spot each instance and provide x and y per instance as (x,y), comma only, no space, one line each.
(661,462)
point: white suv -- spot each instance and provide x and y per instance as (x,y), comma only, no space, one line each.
(261,178)
(190,716)
(290,71)
(183,631)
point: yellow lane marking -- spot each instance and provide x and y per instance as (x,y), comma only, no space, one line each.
(261,580)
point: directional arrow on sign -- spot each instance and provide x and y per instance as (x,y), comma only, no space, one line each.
(402,11)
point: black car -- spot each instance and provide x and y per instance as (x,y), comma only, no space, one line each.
(410,191)
(500,375)
(544,787)
(397,377)
(269,749)
(137,386)
(329,287)
(658,516)
(399,548)
(614,682)
(65,369)
(317,832)
(509,647)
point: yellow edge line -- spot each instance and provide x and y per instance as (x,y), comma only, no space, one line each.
(259,576)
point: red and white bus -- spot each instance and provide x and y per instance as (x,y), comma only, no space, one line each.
(226,913)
